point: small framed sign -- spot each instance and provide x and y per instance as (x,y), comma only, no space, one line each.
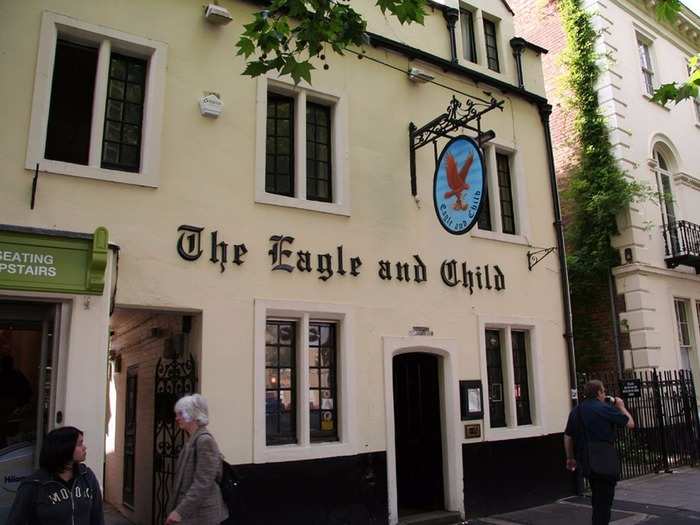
(471,400)
(630,388)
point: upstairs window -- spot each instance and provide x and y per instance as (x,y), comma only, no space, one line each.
(98,103)
(498,211)
(505,193)
(121,145)
(70,113)
(279,154)
(302,153)
(318,153)
(468,35)
(491,37)
(646,65)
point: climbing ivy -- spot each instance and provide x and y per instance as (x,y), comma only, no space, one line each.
(598,190)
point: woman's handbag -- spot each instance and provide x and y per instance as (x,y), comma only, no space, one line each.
(602,456)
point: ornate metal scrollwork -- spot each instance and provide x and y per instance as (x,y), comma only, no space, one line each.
(458,115)
(173,379)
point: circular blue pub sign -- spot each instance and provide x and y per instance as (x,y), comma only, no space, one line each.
(458,185)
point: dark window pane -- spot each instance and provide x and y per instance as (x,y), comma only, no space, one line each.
(126,84)
(494,370)
(505,191)
(279,168)
(520,378)
(70,112)
(110,152)
(323,412)
(318,152)
(114,110)
(484,220)
(491,45)
(280,382)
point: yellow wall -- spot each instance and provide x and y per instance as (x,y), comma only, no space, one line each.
(207,179)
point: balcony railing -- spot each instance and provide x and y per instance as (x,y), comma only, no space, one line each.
(682,244)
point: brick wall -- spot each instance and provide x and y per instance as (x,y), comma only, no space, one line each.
(134,340)
(538,21)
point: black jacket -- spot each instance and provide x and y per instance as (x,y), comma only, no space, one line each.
(43,500)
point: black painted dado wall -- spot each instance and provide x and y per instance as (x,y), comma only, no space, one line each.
(344,490)
(502,476)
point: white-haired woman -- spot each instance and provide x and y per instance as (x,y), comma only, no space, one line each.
(197,498)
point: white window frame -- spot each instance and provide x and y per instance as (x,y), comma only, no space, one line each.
(340,184)
(535,376)
(107,39)
(646,69)
(303,313)
(518,186)
(481,63)
(690,346)
(471,10)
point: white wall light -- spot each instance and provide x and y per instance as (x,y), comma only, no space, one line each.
(216,14)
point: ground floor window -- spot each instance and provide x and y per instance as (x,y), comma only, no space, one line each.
(685,338)
(508,374)
(303,365)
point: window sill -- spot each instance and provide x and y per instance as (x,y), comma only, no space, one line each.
(262,197)
(92,172)
(649,98)
(524,431)
(279,453)
(500,237)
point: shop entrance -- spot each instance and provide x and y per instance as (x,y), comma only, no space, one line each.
(28,354)
(418,434)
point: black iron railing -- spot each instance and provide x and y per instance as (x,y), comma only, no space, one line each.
(667,432)
(682,243)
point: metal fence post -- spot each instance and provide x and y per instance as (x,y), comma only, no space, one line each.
(660,416)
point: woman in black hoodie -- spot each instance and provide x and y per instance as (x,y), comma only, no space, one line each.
(63,491)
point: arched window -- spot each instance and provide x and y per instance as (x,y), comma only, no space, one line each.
(663,180)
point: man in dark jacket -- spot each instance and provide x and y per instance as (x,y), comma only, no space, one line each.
(46,499)
(599,415)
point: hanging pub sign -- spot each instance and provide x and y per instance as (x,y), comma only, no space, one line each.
(458,185)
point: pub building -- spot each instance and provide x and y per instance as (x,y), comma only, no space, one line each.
(364,275)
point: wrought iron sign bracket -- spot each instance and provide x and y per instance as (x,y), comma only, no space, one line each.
(534,257)
(459,115)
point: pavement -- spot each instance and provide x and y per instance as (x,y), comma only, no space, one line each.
(658,499)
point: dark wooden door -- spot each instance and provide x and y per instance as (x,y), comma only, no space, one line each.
(419,473)
(132,378)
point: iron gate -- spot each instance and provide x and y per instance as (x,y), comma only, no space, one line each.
(174,378)
(667,432)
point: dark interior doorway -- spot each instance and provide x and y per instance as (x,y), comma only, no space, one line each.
(417,426)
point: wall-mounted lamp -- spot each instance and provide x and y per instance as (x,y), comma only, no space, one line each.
(215,14)
(418,75)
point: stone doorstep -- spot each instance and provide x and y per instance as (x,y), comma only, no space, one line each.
(432,518)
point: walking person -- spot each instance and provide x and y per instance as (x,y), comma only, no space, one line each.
(589,442)
(197,496)
(64,491)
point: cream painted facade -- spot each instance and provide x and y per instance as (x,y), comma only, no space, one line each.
(210,173)
(641,130)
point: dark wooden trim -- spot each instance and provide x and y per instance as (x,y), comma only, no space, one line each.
(447,66)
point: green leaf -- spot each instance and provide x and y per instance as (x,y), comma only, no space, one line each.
(667,10)
(255,69)
(245,46)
